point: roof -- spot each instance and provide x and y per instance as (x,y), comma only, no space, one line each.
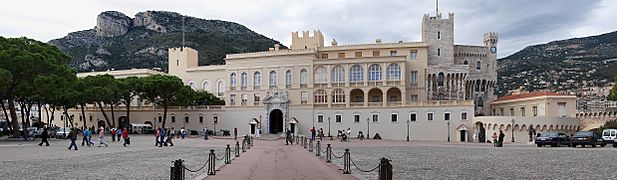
(529,95)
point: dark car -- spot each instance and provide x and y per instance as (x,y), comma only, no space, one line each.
(553,138)
(584,138)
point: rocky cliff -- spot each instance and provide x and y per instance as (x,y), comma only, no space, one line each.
(121,42)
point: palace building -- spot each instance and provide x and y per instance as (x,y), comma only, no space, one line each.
(431,89)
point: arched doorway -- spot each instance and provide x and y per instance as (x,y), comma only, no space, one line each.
(276,121)
(481,132)
(101,123)
(122,122)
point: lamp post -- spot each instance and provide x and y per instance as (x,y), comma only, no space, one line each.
(448,123)
(512,129)
(408,121)
(259,122)
(329,128)
(368,128)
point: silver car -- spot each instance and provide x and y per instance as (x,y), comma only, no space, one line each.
(63,133)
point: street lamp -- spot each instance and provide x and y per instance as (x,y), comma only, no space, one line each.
(448,123)
(329,128)
(512,129)
(408,121)
(260,122)
(368,128)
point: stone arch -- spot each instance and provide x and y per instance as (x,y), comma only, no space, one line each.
(544,128)
(394,94)
(538,127)
(516,127)
(550,127)
(509,127)
(523,127)
(501,126)
(375,95)
(356,96)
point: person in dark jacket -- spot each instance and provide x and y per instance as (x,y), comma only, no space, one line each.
(73,136)
(44,137)
(501,136)
(169,138)
(287,136)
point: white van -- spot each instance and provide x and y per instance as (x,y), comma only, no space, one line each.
(609,135)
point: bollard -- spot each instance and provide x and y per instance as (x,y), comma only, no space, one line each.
(318,149)
(244,145)
(237,149)
(304,142)
(177,171)
(251,138)
(212,163)
(346,162)
(227,155)
(311,146)
(385,169)
(328,154)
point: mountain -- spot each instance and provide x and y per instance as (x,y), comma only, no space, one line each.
(121,42)
(560,66)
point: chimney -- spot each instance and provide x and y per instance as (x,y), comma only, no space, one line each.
(276,47)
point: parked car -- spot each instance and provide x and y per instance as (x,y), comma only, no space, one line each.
(62,133)
(584,138)
(553,138)
(609,135)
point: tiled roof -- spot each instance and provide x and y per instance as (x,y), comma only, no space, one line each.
(529,95)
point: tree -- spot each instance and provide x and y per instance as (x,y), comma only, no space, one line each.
(129,88)
(99,89)
(613,95)
(26,59)
(165,91)
(5,77)
(202,98)
(608,125)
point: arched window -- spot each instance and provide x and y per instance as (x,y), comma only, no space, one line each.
(320,75)
(243,79)
(288,78)
(356,73)
(233,80)
(465,63)
(192,85)
(478,65)
(272,79)
(374,72)
(440,79)
(303,77)
(206,86)
(321,96)
(394,72)
(220,88)
(257,80)
(338,74)
(338,96)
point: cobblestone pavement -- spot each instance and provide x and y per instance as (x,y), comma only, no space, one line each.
(141,160)
(439,160)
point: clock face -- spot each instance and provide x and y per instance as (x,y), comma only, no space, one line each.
(493,49)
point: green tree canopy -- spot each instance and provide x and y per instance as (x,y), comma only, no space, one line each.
(165,91)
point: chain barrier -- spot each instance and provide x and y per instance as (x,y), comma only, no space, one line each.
(201,168)
(359,169)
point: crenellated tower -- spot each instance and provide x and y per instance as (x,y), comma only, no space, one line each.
(438,33)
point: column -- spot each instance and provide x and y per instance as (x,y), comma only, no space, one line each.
(366,98)
(384,97)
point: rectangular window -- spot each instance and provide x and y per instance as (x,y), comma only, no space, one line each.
(341,55)
(429,116)
(535,110)
(413,54)
(413,98)
(522,111)
(338,118)
(501,110)
(201,119)
(244,98)
(412,117)
(561,109)
(303,97)
(256,97)
(186,119)
(356,118)
(320,118)
(394,117)
(359,54)
(375,117)
(393,53)
(324,56)
(173,119)
(464,116)
(413,78)
(446,116)
(376,54)
(160,119)
(90,118)
(511,111)
(232,99)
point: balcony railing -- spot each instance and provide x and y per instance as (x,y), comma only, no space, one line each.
(356,104)
(375,104)
(395,103)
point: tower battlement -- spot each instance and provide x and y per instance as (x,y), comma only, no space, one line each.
(307,41)
(490,38)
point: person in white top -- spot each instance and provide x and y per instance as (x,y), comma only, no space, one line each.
(258,133)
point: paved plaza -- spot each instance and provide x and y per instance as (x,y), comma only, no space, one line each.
(271,159)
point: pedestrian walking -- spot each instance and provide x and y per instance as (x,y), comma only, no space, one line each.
(287,136)
(494,136)
(85,140)
(113,134)
(125,136)
(162,137)
(156,137)
(182,133)
(258,134)
(235,133)
(44,137)
(172,132)
(313,133)
(119,133)
(320,134)
(73,137)
(102,137)
(205,133)
(501,136)
(169,139)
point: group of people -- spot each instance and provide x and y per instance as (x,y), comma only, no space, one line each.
(160,136)
(87,137)
(498,140)
(343,134)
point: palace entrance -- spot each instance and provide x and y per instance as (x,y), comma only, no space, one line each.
(276,121)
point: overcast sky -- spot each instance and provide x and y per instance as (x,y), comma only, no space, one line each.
(519,22)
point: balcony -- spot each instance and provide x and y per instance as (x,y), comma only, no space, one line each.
(356,104)
(375,104)
(394,103)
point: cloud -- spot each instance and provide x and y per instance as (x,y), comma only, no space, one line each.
(520,23)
